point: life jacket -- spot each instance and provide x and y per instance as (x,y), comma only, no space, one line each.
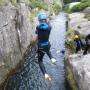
(43,31)
(79,43)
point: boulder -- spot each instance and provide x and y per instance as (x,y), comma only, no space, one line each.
(87,10)
(81,70)
(79,23)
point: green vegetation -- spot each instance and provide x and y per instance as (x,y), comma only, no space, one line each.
(38,4)
(76,8)
(67,1)
(83,4)
(79,7)
(56,7)
(14,2)
(66,8)
(70,43)
(71,83)
(5,2)
(71,79)
(2,2)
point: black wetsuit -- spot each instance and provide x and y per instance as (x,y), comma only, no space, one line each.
(43,32)
(87,44)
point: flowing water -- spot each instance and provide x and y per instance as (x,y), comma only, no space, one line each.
(29,76)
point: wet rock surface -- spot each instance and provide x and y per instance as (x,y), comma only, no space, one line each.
(79,23)
(80,67)
(16,34)
(78,63)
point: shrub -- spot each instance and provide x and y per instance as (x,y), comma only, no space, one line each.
(38,4)
(56,7)
(86,1)
(67,1)
(79,7)
(66,8)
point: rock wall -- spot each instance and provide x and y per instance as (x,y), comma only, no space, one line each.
(16,34)
(79,23)
(80,67)
(78,63)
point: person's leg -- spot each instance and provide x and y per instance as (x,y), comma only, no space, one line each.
(77,49)
(47,49)
(40,61)
(86,49)
(42,67)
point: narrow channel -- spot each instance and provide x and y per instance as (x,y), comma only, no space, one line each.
(29,77)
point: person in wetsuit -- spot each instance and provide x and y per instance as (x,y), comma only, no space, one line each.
(79,44)
(43,32)
(87,46)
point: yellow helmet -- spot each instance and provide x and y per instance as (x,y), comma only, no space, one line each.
(76,36)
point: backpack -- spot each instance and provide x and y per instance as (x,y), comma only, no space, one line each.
(43,26)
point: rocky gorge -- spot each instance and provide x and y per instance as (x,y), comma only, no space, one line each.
(77,65)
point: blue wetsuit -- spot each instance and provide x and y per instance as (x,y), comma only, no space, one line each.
(43,32)
(79,45)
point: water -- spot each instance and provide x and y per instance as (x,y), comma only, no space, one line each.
(29,76)
(57,39)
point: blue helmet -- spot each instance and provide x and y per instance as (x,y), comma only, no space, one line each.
(42,16)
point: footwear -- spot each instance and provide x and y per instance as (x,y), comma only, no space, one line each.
(47,77)
(53,60)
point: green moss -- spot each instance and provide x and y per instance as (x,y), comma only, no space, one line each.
(71,79)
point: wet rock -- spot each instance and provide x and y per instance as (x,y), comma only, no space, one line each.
(77,20)
(87,10)
(16,34)
(81,70)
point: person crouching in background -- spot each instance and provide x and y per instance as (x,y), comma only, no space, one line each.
(79,44)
